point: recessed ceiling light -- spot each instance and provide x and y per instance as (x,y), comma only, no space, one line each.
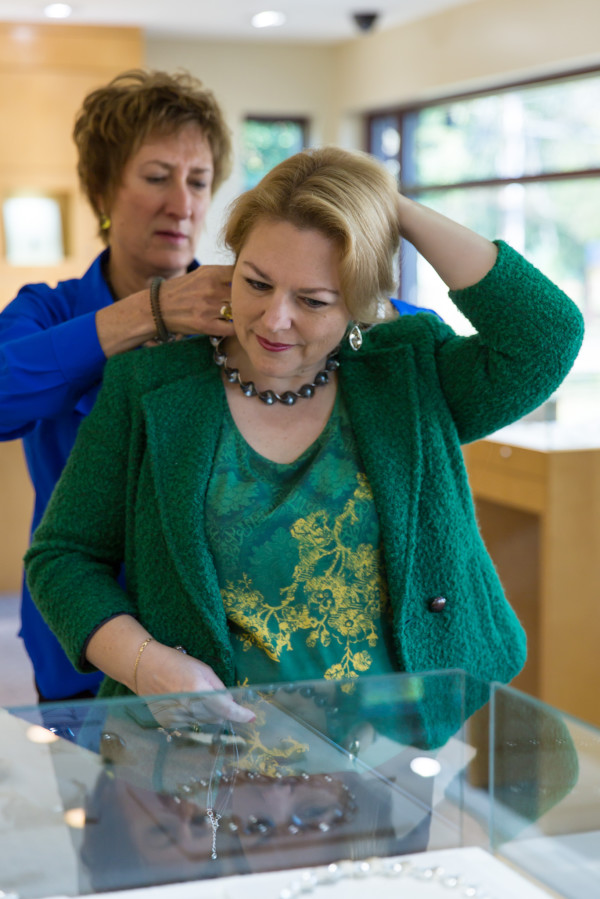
(58,10)
(268,19)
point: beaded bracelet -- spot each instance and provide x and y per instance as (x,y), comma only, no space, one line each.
(162,335)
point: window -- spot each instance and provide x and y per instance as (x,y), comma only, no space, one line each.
(268,141)
(522,164)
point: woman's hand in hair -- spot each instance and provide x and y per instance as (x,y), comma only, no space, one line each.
(460,256)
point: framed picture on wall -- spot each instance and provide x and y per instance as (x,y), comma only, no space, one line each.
(33,229)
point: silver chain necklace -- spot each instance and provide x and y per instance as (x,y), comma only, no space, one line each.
(269,397)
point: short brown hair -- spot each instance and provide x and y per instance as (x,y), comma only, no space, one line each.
(351,198)
(115,120)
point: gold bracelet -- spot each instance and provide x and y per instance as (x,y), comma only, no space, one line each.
(137,661)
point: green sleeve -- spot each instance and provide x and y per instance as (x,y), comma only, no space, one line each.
(528,336)
(78,549)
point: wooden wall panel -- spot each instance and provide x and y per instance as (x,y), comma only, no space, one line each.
(539,515)
(45,72)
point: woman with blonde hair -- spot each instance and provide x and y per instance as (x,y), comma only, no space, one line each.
(290,500)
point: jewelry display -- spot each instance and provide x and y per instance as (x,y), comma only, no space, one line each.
(428,883)
(269,396)
(225,312)
(105,222)
(341,809)
(213,813)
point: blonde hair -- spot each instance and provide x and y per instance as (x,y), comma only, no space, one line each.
(348,196)
(115,120)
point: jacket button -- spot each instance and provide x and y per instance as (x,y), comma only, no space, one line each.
(437,604)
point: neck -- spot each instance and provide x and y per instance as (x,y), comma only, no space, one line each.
(302,387)
(125,279)
(237,359)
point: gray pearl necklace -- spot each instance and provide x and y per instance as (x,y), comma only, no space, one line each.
(269,397)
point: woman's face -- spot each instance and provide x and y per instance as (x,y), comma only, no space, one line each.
(288,309)
(160,206)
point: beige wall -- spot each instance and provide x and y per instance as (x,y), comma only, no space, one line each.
(256,78)
(45,71)
(479,44)
(482,43)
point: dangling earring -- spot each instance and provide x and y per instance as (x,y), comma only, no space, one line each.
(105,222)
(225,312)
(355,337)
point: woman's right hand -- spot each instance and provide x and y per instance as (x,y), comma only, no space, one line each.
(124,650)
(192,303)
(164,670)
(189,304)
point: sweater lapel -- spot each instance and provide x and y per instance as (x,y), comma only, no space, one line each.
(181,445)
(389,440)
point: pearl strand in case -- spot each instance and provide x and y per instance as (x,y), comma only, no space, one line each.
(428,882)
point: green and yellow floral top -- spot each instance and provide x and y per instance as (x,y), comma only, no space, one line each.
(297,552)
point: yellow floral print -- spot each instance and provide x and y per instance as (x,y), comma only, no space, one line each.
(336,596)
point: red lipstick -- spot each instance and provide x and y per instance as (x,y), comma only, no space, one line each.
(272,347)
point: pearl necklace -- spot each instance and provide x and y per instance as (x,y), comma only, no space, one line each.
(269,396)
(430,883)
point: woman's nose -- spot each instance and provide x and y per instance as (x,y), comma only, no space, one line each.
(179,201)
(277,313)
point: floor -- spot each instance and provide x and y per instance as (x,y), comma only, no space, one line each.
(16,677)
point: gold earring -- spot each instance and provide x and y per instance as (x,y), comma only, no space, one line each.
(105,222)
(355,337)
(225,312)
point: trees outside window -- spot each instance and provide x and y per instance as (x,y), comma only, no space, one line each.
(521,163)
(268,141)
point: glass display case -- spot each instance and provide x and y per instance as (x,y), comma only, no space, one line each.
(334,788)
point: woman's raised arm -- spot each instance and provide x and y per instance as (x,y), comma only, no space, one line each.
(460,256)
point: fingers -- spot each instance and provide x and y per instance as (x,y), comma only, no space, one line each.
(192,303)
(215,281)
(187,712)
(220,706)
(205,698)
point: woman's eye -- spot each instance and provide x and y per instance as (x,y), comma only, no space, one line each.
(257,285)
(198,185)
(312,303)
(155,179)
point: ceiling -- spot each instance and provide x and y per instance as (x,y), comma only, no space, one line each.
(307,20)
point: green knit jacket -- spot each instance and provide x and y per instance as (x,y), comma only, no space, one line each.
(135,485)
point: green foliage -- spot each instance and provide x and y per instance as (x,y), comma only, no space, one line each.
(267,143)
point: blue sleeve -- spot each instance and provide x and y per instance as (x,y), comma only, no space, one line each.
(405,308)
(48,359)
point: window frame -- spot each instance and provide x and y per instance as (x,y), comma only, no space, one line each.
(402,113)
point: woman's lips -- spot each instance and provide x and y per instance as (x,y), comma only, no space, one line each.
(172,236)
(272,347)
